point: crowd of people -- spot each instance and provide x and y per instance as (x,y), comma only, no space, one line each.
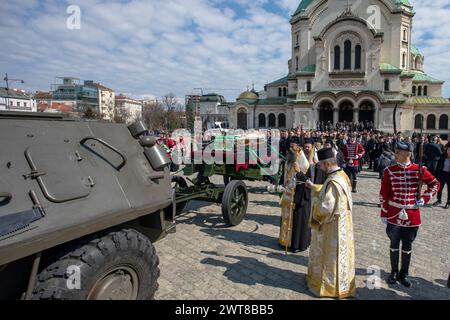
(316,210)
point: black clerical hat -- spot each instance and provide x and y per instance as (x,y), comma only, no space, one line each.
(325,154)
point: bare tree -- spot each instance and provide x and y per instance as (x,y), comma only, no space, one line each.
(153,115)
(121,115)
(170,102)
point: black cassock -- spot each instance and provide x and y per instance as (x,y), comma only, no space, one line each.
(301,232)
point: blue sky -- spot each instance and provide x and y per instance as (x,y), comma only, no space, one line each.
(148,48)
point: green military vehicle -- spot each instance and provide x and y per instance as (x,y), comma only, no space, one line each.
(81,204)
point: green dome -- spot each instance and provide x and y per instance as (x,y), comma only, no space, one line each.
(304,4)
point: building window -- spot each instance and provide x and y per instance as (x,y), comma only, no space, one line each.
(404,35)
(282,121)
(10,103)
(272,120)
(25,104)
(431,122)
(425,91)
(418,121)
(262,120)
(337,58)
(387,85)
(419,93)
(443,122)
(296,63)
(358,57)
(347,55)
(296,40)
(308,86)
(404,60)
(284,92)
(414,90)
(279,92)
(18,103)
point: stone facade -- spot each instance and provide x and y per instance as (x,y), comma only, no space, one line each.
(351,61)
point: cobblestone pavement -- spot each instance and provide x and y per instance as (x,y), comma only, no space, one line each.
(205,260)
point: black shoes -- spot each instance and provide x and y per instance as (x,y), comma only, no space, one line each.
(404,281)
(437,203)
(447,206)
(392,278)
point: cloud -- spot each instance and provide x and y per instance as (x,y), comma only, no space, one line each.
(154,47)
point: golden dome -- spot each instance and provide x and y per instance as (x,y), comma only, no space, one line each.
(248,95)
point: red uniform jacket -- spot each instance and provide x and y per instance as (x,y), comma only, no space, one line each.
(354,152)
(399,189)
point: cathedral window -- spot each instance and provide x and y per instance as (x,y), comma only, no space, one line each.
(308,86)
(347,55)
(280,92)
(387,85)
(418,120)
(419,93)
(425,91)
(337,58)
(414,90)
(284,92)
(404,60)
(431,122)
(404,35)
(443,122)
(358,57)
(282,121)
(272,120)
(296,63)
(262,120)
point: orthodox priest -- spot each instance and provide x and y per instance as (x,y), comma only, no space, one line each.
(295,202)
(331,269)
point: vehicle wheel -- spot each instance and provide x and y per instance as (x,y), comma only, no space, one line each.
(179,184)
(121,265)
(234,202)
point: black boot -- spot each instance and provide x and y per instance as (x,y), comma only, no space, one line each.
(447,206)
(395,257)
(403,275)
(354,186)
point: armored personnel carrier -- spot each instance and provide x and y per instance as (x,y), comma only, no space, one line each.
(81,204)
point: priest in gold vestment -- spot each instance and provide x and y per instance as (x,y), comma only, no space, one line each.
(331,269)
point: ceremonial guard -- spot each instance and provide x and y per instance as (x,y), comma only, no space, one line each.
(400,197)
(353,154)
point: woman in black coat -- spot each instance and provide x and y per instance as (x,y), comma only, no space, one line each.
(443,175)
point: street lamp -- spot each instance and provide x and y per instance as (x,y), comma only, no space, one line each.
(8,80)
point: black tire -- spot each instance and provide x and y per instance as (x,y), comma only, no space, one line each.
(96,259)
(179,184)
(234,210)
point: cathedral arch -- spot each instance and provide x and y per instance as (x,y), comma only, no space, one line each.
(346,111)
(326,111)
(242,115)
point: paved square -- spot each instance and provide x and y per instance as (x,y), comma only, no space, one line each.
(205,260)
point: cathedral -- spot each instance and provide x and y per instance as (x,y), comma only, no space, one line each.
(351,61)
